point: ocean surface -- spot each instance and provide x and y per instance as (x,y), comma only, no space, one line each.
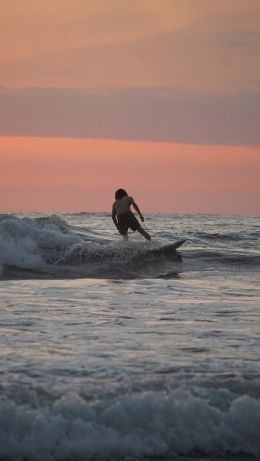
(115,350)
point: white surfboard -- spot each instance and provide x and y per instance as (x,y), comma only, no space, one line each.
(168,249)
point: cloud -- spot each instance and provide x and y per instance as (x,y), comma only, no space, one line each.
(196,46)
(34,28)
(154,114)
(239,38)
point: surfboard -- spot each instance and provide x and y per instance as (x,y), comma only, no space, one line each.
(168,249)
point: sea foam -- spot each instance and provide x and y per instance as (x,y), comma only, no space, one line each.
(135,426)
(48,243)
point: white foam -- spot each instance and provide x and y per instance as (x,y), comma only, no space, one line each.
(150,424)
(120,252)
(27,243)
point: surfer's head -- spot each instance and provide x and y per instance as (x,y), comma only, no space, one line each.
(120,193)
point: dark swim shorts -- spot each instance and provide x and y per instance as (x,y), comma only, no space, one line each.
(126,220)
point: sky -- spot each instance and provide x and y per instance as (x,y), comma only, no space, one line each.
(159,97)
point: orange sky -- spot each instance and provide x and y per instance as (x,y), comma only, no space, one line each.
(199,45)
(53,174)
(161,98)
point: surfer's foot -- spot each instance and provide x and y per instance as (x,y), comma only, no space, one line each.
(146,235)
(125,237)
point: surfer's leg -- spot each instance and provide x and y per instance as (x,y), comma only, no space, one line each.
(122,225)
(134,224)
(143,232)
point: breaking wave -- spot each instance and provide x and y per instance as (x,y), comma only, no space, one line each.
(50,247)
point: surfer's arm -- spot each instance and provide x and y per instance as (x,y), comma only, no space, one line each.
(138,210)
(114,217)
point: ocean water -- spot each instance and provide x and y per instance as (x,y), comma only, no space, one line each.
(116,350)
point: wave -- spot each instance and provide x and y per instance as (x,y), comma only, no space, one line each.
(49,246)
(229,236)
(32,247)
(132,426)
(230,258)
(28,243)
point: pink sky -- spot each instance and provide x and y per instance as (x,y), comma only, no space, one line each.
(56,174)
(161,98)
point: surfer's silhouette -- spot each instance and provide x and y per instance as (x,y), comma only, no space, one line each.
(123,217)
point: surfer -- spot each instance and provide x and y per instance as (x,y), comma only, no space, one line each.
(123,217)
